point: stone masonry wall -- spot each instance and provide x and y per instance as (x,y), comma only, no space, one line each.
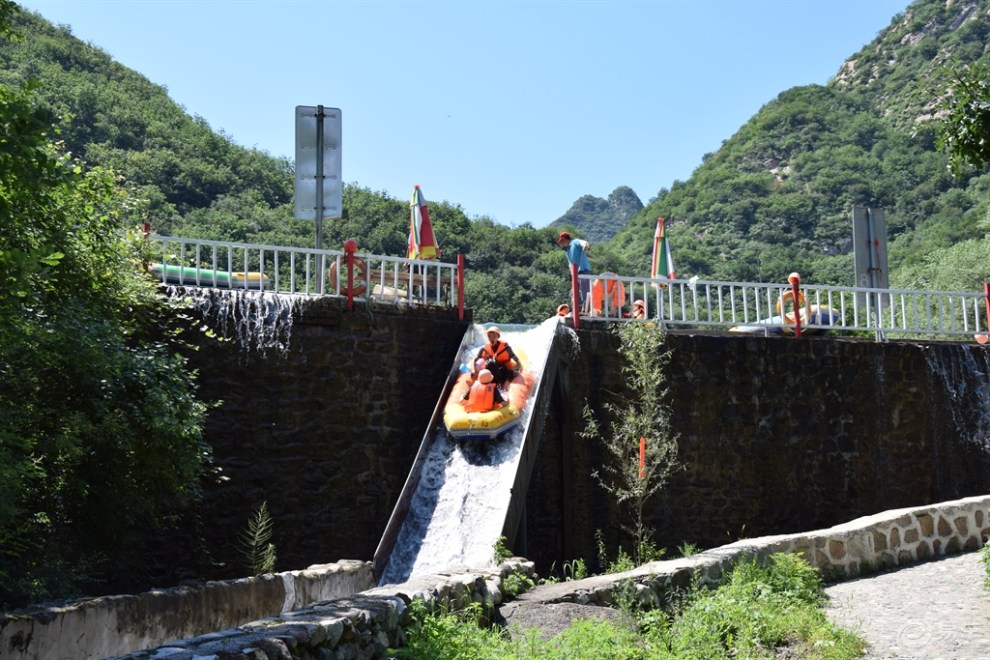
(776,435)
(366,624)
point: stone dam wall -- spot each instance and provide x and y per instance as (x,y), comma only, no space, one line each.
(777,435)
(323,409)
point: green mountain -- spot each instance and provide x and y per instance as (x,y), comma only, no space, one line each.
(775,198)
(600,219)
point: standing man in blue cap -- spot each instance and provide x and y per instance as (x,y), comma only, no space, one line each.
(577,253)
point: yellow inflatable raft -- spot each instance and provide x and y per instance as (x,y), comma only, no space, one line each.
(489,425)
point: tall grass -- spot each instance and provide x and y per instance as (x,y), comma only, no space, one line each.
(767,611)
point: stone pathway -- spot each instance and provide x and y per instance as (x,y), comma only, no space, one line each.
(937,609)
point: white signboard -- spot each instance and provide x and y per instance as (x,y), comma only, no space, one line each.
(318,178)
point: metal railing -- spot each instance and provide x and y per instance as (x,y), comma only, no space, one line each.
(301,271)
(768,308)
(694,303)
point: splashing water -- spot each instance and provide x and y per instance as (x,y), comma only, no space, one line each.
(258,321)
(458,510)
(963,373)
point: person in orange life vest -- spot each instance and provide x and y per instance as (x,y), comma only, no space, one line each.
(497,357)
(483,395)
(639,310)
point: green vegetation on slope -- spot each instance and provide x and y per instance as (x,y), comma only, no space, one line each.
(100,439)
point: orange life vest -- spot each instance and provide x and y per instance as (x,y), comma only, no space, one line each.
(481,398)
(500,354)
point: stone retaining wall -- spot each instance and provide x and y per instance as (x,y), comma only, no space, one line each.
(363,625)
(112,625)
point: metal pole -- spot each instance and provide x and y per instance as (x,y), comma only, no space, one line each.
(319,198)
(460,286)
(872,270)
(795,280)
(575,296)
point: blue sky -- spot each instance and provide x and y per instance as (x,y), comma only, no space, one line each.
(511,109)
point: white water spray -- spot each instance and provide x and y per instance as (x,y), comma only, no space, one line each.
(457,512)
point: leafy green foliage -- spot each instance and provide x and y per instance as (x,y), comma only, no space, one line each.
(256,546)
(759,612)
(501,551)
(100,431)
(640,445)
(985,558)
(964,122)
(446,634)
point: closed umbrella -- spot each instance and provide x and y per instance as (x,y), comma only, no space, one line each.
(422,242)
(663,263)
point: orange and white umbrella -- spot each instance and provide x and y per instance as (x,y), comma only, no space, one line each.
(422,242)
(663,263)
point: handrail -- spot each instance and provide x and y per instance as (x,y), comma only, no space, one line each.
(693,303)
(301,271)
(753,307)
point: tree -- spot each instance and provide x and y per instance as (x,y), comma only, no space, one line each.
(100,431)
(639,422)
(963,123)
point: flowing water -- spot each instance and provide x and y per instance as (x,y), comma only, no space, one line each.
(458,510)
(260,322)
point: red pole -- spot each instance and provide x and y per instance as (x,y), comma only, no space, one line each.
(575,296)
(460,286)
(986,294)
(795,281)
(350,247)
(642,456)
(984,337)
(146,230)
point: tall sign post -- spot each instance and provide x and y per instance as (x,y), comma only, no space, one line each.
(319,186)
(870,250)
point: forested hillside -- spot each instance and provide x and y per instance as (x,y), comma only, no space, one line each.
(776,197)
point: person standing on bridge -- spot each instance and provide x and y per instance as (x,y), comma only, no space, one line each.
(577,254)
(497,357)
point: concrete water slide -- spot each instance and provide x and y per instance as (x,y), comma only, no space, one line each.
(461,496)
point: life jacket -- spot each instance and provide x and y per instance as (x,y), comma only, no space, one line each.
(613,290)
(501,354)
(481,398)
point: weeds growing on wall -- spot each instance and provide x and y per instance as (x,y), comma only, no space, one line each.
(257,549)
(641,448)
(760,611)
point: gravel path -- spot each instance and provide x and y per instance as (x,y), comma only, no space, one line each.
(937,609)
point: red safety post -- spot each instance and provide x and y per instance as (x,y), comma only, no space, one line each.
(642,457)
(575,296)
(982,338)
(795,281)
(350,247)
(460,286)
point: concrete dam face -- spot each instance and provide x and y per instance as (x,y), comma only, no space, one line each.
(323,411)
